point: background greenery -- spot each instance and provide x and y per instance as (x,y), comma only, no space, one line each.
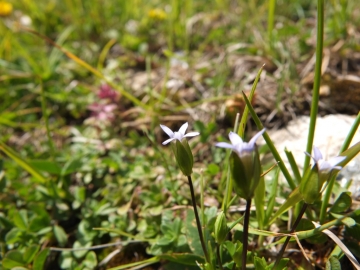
(81,144)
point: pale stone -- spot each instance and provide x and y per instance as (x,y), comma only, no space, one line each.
(330,133)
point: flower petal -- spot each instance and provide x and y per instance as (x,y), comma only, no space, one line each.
(183,128)
(235,138)
(168,140)
(256,136)
(192,134)
(224,145)
(336,160)
(167,130)
(317,154)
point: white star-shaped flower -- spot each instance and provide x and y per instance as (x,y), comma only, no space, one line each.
(238,145)
(177,135)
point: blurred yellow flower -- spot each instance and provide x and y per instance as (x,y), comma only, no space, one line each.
(5,8)
(157,14)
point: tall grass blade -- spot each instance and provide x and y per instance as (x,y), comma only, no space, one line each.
(22,162)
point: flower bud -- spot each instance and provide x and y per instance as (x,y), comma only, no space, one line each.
(221,229)
(246,172)
(311,185)
(183,155)
(244,164)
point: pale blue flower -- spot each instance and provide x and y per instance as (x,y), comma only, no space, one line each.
(238,145)
(323,165)
(244,164)
(177,135)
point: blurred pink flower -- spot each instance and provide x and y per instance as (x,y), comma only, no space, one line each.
(106,92)
(103,112)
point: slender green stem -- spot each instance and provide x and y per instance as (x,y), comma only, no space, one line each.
(317,79)
(218,257)
(271,18)
(198,223)
(46,119)
(325,200)
(293,228)
(246,233)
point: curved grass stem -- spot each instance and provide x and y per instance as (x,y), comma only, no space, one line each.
(198,223)
(219,257)
(246,233)
(317,81)
(293,228)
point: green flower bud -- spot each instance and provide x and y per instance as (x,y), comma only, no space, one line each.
(221,229)
(183,155)
(312,184)
(244,164)
(246,172)
(180,147)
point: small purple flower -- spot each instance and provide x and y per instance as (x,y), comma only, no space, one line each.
(312,186)
(238,145)
(177,135)
(244,164)
(323,165)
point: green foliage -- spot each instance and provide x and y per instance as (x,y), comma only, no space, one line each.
(64,172)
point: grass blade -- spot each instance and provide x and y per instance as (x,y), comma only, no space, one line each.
(270,144)
(22,162)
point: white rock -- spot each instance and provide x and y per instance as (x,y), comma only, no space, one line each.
(330,133)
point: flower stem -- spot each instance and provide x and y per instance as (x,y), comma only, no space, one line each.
(218,257)
(198,219)
(246,233)
(317,80)
(293,228)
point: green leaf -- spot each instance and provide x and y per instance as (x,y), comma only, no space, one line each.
(60,235)
(46,166)
(272,196)
(192,233)
(21,220)
(260,264)
(91,260)
(350,154)
(310,185)
(259,199)
(183,258)
(30,253)
(244,117)
(38,223)
(348,221)
(212,169)
(293,166)
(71,166)
(270,144)
(333,264)
(12,259)
(342,203)
(293,199)
(5,222)
(40,259)
(282,264)
(66,260)
(81,253)
(12,236)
